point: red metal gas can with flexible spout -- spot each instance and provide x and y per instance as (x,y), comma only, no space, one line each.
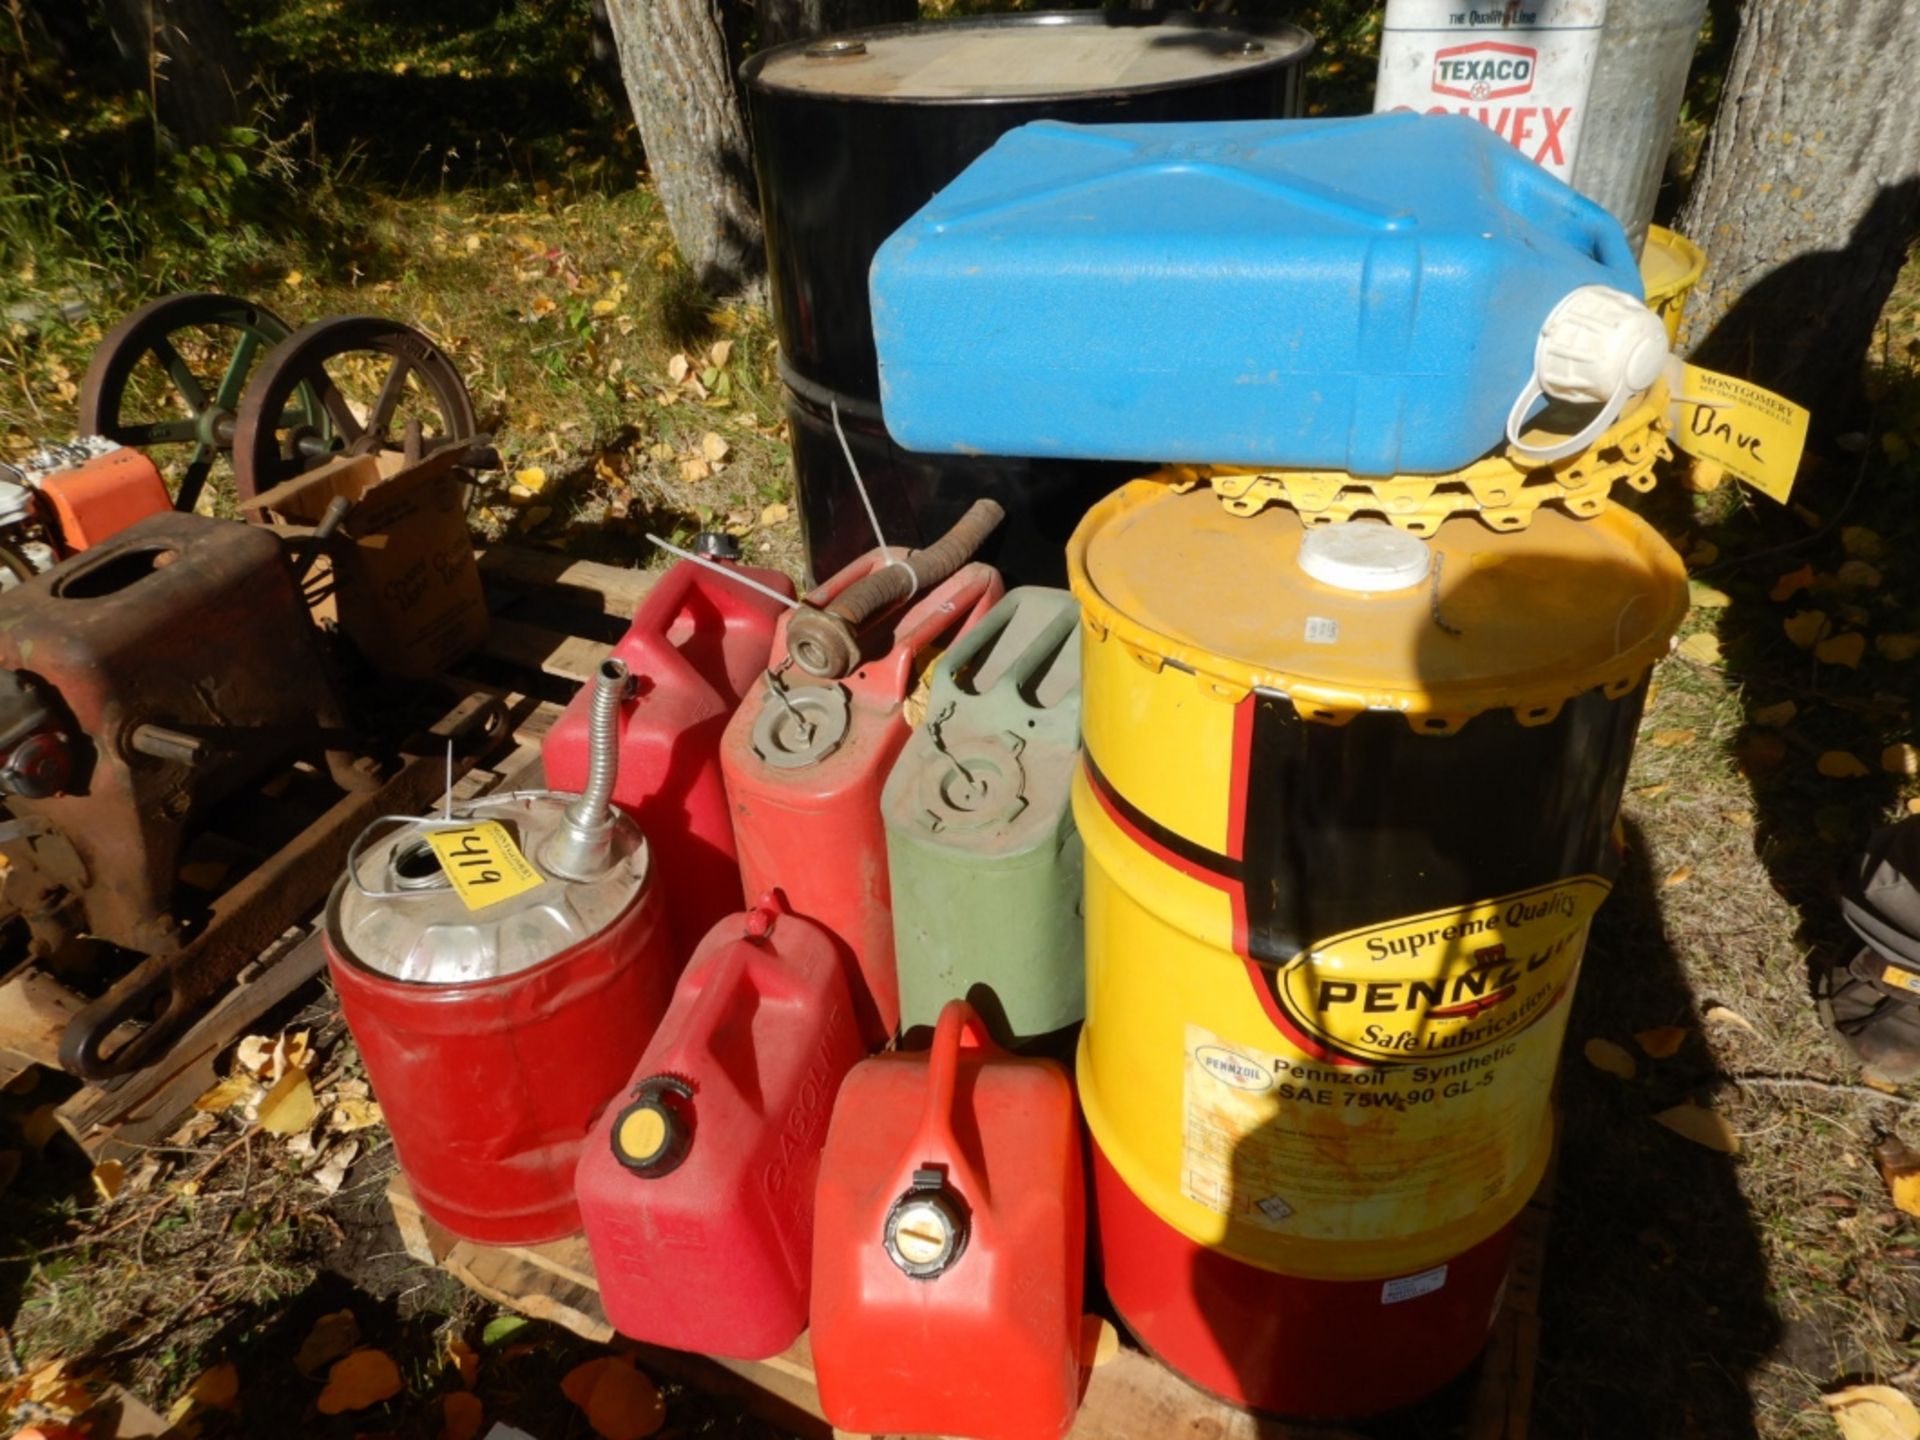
(948,1244)
(502,971)
(696,1185)
(805,762)
(697,643)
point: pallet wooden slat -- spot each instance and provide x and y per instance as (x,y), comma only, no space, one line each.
(1131,1398)
(568,657)
(585,584)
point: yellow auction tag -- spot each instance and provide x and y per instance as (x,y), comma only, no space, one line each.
(1902,979)
(1755,434)
(483,863)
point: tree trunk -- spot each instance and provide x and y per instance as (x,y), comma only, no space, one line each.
(784,20)
(679,79)
(187,56)
(1808,196)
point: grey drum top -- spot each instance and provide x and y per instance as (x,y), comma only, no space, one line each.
(1060,55)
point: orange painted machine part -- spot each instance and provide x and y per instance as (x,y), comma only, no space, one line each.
(1283,1343)
(97,500)
(812,827)
(949,1244)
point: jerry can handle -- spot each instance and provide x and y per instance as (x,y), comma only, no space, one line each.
(1596,230)
(957,603)
(1021,671)
(958,1023)
(653,618)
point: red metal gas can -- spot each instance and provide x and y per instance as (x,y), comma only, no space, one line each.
(948,1244)
(805,762)
(696,1186)
(697,644)
(502,972)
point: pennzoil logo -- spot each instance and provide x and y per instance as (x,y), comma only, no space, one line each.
(1484,70)
(1444,983)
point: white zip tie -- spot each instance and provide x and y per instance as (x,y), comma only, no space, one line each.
(719,569)
(873,519)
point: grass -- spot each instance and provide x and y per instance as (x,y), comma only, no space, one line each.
(456,166)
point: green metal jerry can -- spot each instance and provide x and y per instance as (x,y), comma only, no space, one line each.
(981,845)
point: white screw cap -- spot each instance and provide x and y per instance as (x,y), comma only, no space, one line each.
(1365,556)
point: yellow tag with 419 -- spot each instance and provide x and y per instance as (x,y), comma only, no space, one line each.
(1756,435)
(483,863)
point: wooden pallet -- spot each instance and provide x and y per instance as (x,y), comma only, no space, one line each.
(553,621)
(1132,1397)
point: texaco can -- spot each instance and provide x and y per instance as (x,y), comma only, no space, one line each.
(1522,69)
(1348,799)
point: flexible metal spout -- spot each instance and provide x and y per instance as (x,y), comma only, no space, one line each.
(582,848)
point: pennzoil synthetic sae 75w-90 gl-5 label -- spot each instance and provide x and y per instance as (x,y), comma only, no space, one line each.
(1421,1022)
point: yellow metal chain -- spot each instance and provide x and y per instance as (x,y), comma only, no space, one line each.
(1503,489)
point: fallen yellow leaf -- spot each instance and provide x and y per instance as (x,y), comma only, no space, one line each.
(1873,1412)
(1841,765)
(1898,648)
(1701,648)
(625,1405)
(1791,583)
(1774,716)
(1614,1059)
(228,1093)
(363,1378)
(774,515)
(332,1336)
(1847,649)
(1648,792)
(1662,1042)
(354,1113)
(1805,627)
(1702,1126)
(1859,574)
(714,446)
(533,478)
(1704,552)
(39,1125)
(1862,543)
(1900,760)
(605,306)
(1722,1015)
(1099,1342)
(719,352)
(1679,875)
(214,1389)
(255,1053)
(293,279)
(108,1177)
(461,1416)
(1709,598)
(1900,1168)
(1668,739)
(288,1108)
(464,1358)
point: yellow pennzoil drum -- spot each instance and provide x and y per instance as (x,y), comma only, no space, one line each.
(1348,796)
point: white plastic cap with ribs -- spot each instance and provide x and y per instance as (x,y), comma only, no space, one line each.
(1599,346)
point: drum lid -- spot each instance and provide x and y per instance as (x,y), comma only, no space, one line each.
(1020,57)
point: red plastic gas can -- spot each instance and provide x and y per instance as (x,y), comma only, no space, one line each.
(696,1185)
(805,761)
(698,642)
(948,1244)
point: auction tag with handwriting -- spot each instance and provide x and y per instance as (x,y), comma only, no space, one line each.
(483,863)
(1755,434)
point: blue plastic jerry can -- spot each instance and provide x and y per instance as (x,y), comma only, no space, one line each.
(1363,295)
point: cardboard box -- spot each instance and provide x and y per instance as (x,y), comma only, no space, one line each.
(405,587)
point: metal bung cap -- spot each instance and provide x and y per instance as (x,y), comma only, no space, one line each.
(1365,556)
(653,1134)
(801,725)
(926,1228)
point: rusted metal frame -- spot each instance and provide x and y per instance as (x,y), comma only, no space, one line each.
(256,911)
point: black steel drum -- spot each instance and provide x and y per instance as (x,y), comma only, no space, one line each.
(854,133)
